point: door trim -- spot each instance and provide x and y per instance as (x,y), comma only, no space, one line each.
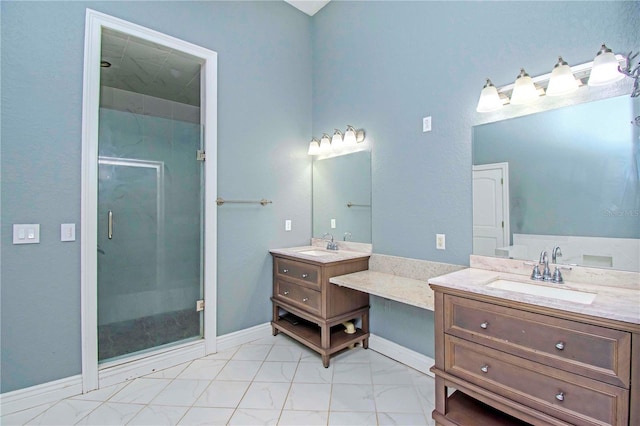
(94,23)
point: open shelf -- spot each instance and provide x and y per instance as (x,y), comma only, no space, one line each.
(309,334)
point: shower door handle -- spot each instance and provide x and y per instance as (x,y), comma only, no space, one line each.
(110,225)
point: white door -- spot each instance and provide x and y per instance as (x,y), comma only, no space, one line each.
(490,208)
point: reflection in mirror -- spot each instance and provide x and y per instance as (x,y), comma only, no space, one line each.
(337,183)
(573,181)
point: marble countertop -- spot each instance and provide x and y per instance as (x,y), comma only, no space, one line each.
(393,287)
(616,303)
(327,256)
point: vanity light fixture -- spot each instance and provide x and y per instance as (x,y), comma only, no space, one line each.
(606,68)
(340,143)
(524,91)
(562,80)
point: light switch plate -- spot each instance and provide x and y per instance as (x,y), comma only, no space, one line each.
(426,124)
(287,225)
(440,241)
(333,224)
(68,232)
(28,233)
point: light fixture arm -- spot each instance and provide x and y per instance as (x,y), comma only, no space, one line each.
(633,73)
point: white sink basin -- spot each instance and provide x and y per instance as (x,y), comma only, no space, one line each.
(544,291)
(317,253)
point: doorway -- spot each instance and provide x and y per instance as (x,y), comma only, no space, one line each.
(148,237)
(490,208)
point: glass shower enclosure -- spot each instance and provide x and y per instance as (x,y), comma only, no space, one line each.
(150,210)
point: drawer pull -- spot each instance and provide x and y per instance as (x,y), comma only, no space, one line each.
(560,396)
(560,346)
(305,299)
(284,271)
(286,292)
(305,275)
(484,368)
(484,325)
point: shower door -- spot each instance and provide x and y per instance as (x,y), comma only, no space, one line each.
(149,234)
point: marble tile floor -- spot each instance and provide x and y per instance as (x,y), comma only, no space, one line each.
(272,381)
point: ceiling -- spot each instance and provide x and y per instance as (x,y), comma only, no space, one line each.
(310,7)
(143,67)
(150,69)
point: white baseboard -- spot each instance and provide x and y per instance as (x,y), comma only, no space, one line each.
(22,399)
(241,337)
(401,354)
(122,372)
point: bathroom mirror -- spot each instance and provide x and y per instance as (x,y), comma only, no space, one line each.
(571,179)
(342,197)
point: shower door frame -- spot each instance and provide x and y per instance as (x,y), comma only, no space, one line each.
(94,377)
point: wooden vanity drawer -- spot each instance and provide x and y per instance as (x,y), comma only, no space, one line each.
(569,397)
(592,351)
(303,297)
(301,272)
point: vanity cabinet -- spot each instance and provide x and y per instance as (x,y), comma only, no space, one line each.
(311,310)
(540,365)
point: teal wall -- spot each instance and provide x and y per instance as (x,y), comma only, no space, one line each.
(264,121)
(382,66)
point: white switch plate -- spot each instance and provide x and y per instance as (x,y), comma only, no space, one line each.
(28,233)
(440,241)
(333,224)
(287,225)
(426,124)
(68,232)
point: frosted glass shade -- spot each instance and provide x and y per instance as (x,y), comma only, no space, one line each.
(336,140)
(350,137)
(524,91)
(605,68)
(562,80)
(325,144)
(314,147)
(489,98)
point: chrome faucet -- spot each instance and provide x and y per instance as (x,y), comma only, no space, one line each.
(546,274)
(557,275)
(331,245)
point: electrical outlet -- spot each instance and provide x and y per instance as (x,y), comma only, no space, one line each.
(333,224)
(440,241)
(287,225)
